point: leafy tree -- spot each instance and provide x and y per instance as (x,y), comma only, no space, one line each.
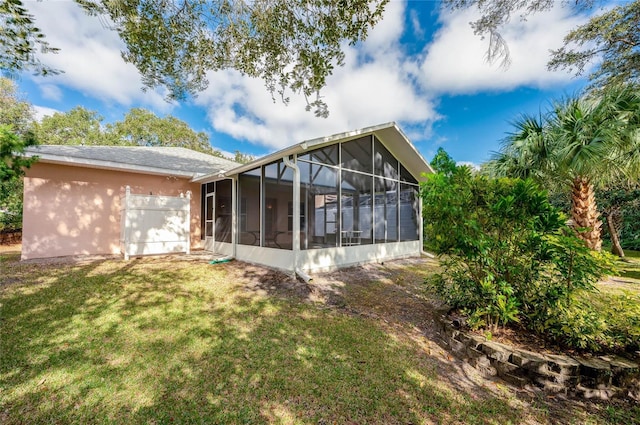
(11,204)
(243,158)
(12,160)
(291,45)
(14,111)
(20,39)
(12,164)
(442,162)
(16,125)
(141,127)
(79,126)
(581,143)
(620,204)
(610,40)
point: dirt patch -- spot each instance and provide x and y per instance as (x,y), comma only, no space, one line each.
(15,248)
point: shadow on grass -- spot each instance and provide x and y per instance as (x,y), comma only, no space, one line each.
(171,342)
(145,342)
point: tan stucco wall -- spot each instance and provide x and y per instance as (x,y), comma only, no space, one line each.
(71,210)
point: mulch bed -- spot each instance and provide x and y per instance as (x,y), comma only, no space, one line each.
(10,237)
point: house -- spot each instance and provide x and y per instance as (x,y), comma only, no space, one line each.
(345,199)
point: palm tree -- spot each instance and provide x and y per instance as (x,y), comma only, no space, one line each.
(580,143)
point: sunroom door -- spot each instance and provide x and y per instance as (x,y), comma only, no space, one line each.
(209,216)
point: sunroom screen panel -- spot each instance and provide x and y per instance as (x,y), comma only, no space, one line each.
(386,210)
(357,155)
(319,195)
(356,208)
(278,196)
(249,211)
(409,212)
(223,211)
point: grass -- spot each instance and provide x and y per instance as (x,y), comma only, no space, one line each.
(160,341)
(630,267)
(618,302)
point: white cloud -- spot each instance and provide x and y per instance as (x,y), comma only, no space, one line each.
(418,31)
(89,56)
(51,92)
(379,82)
(43,111)
(376,85)
(469,164)
(455,60)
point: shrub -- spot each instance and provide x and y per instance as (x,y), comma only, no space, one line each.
(508,256)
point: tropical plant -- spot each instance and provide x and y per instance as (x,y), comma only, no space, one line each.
(581,143)
(508,255)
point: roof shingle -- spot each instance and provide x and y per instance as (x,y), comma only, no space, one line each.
(171,159)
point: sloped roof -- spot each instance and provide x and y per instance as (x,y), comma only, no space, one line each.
(143,159)
(389,134)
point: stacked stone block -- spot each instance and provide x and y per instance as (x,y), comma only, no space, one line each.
(601,377)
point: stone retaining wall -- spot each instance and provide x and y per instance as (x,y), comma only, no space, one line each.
(601,377)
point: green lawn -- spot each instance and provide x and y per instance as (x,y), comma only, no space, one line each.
(630,266)
(160,341)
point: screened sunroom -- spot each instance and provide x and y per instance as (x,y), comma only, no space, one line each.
(326,203)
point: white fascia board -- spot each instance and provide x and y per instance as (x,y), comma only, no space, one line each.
(408,154)
(251,165)
(107,165)
(346,136)
(405,151)
(295,149)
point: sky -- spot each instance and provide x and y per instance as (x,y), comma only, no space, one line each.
(420,67)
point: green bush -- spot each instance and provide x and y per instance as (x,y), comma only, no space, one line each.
(508,256)
(11,204)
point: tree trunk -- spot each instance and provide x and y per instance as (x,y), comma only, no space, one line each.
(584,213)
(616,248)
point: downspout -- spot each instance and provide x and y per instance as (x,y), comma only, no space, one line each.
(296,218)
